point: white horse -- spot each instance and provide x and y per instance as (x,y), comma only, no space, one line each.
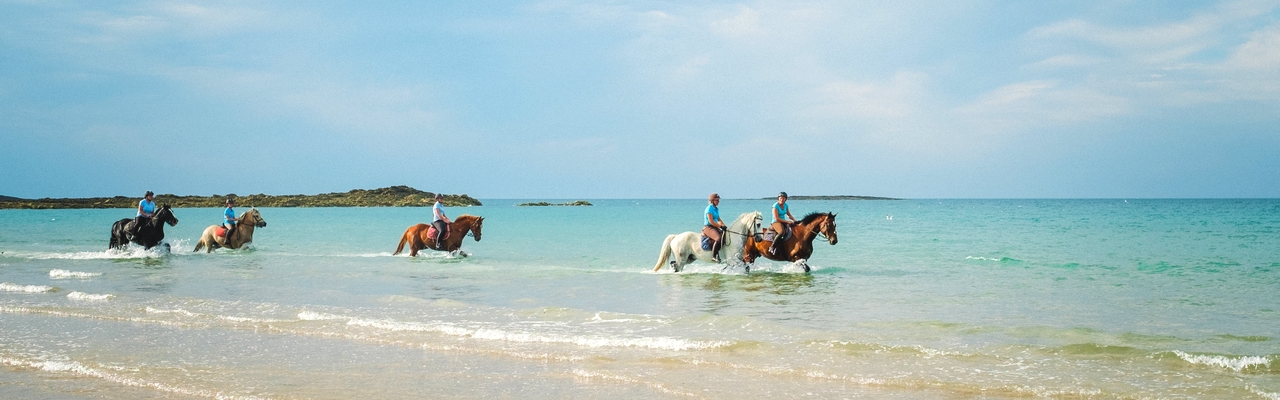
(683,248)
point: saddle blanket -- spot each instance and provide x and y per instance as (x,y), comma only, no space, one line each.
(431,231)
(706,243)
(222,231)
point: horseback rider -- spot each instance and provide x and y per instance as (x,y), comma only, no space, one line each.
(229,220)
(440,221)
(712,227)
(781,227)
(146,210)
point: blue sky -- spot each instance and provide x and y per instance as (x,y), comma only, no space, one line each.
(565,99)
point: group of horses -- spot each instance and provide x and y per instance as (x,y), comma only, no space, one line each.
(747,242)
(743,239)
(151,233)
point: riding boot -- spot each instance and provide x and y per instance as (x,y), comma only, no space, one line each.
(715,252)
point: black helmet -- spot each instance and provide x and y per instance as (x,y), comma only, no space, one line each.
(148,194)
(782,194)
(231,200)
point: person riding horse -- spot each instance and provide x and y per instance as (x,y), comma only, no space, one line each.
(781,227)
(146,210)
(440,221)
(229,218)
(712,227)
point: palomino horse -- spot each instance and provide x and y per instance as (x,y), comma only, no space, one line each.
(149,234)
(683,248)
(417,238)
(242,235)
(798,246)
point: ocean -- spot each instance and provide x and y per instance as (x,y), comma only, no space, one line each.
(920,299)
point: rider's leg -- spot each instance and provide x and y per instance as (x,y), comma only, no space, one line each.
(441,228)
(226,240)
(779,232)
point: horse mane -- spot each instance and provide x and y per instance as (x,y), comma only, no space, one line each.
(813,216)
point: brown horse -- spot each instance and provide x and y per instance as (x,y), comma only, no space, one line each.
(243,233)
(798,246)
(418,239)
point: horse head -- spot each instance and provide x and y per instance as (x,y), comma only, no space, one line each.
(476,226)
(165,215)
(828,228)
(253,217)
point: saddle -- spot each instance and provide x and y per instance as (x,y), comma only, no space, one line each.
(221,232)
(431,231)
(768,235)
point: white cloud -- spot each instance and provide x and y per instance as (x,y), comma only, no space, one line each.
(896,98)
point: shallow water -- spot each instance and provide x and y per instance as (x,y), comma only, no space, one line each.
(919,299)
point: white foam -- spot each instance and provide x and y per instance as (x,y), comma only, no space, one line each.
(176,311)
(89,297)
(1232,363)
(12,287)
(64,274)
(659,343)
(315,316)
(76,368)
(1264,394)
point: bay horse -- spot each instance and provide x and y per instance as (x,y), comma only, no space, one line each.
(243,234)
(417,238)
(683,248)
(149,234)
(798,246)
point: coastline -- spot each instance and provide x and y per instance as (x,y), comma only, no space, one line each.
(394,196)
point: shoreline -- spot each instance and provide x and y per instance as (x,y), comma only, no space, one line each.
(394,196)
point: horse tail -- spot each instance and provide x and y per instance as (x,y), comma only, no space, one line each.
(199,244)
(403,238)
(665,254)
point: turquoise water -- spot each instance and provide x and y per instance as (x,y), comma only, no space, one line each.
(919,299)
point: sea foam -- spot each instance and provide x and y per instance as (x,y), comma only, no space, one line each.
(12,287)
(1232,363)
(64,274)
(89,297)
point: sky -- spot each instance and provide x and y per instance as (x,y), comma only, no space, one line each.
(642,99)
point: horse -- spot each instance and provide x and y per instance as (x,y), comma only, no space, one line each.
(149,234)
(798,246)
(242,235)
(417,238)
(683,248)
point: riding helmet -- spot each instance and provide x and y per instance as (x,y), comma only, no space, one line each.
(782,195)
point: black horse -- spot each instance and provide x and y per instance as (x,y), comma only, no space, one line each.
(149,234)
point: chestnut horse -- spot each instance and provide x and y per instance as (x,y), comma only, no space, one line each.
(418,239)
(242,235)
(798,246)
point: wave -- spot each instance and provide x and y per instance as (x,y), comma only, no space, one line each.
(12,287)
(81,296)
(1234,363)
(658,343)
(76,368)
(64,274)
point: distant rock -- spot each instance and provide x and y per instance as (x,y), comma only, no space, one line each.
(395,196)
(544,204)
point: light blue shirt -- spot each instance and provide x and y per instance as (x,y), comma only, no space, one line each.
(782,211)
(437,211)
(229,215)
(715,214)
(148,207)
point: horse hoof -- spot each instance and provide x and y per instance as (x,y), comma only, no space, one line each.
(806,268)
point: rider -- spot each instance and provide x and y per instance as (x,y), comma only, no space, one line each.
(229,220)
(781,226)
(712,226)
(439,221)
(146,210)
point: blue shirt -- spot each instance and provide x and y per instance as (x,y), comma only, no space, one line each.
(715,214)
(148,207)
(228,215)
(782,211)
(436,211)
